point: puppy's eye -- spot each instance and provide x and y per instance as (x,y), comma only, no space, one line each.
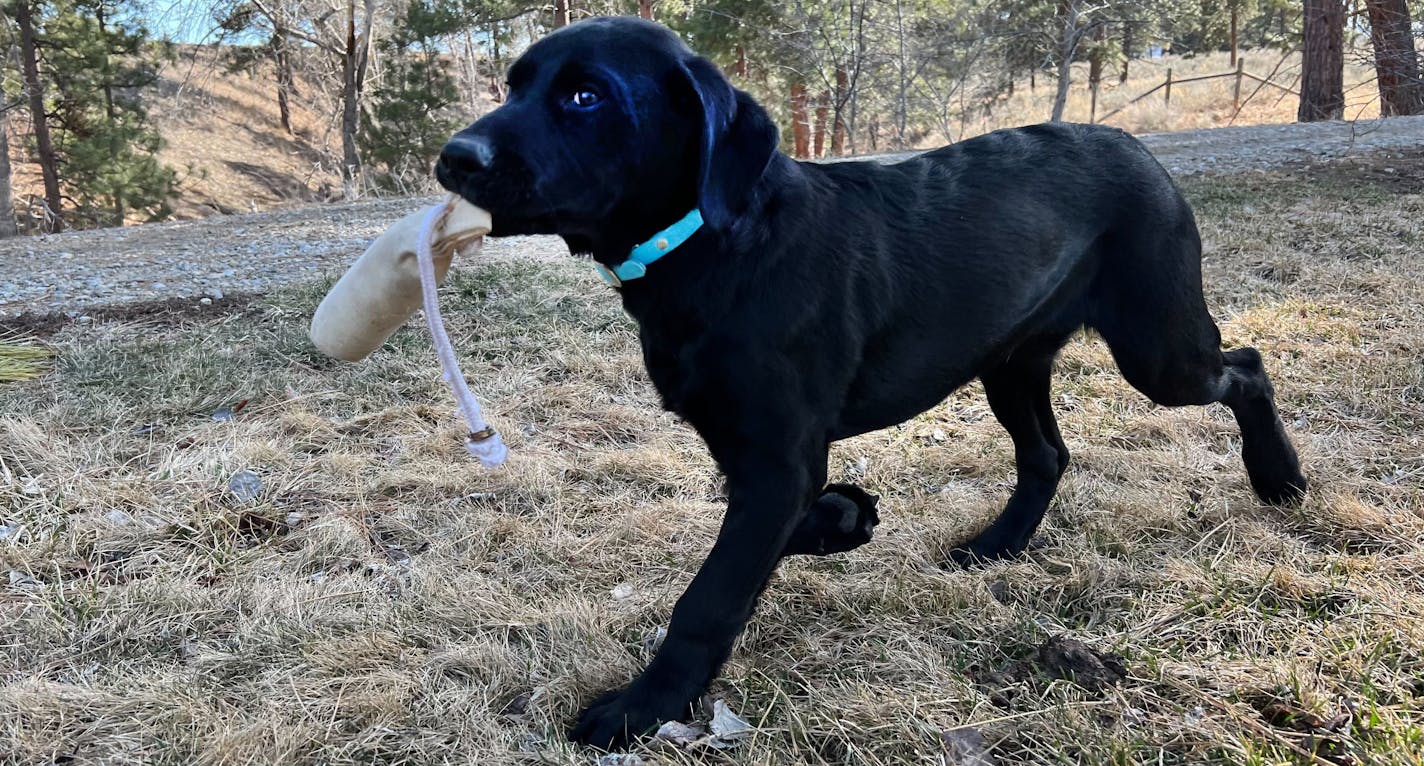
(585,98)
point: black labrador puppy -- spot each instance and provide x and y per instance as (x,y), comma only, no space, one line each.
(813,302)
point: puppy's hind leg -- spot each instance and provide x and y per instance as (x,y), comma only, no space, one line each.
(1018,393)
(1147,303)
(842,518)
(1237,379)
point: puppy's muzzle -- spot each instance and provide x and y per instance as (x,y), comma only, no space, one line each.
(464,156)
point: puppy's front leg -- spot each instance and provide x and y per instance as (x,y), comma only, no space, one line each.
(770,486)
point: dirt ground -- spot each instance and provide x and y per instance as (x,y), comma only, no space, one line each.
(222,548)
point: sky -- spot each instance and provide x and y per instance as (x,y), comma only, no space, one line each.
(183,21)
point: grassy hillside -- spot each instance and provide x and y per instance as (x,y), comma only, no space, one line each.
(225,138)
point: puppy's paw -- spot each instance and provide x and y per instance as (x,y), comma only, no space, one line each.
(617,717)
(986,548)
(842,518)
(1276,478)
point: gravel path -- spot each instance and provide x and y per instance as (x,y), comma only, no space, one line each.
(74,272)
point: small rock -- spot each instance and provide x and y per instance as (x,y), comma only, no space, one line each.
(856,471)
(245,486)
(966,747)
(20,579)
(398,555)
(118,518)
(620,759)
(517,706)
(216,295)
(623,592)
(295,518)
(205,301)
(8,531)
(531,743)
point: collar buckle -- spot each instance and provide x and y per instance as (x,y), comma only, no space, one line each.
(607,274)
(660,244)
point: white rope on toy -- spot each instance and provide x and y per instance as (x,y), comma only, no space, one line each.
(483,441)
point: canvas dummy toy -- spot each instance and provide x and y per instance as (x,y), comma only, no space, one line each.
(396,275)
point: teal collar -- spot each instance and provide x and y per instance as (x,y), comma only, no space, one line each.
(655,247)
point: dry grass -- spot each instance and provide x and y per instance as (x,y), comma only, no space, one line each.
(384,600)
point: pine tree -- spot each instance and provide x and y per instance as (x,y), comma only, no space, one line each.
(26,15)
(1322,95)
(8,227)
(409,115)
(1401,88)
(96,66)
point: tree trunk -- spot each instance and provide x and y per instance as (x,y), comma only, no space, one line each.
(1235,20)
(823,116)
(1068,46)
(1127,50)
(1322,84)
(800,123)
(838,132)
(49,163)
(282,58)
(645,9)
(1095,71)
(561,13)
(740,68)
(902,100)
(8,227)
(353,76)
(1396,65)
(1095,58)
(115,145)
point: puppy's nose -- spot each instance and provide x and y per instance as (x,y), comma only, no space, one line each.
(465,153)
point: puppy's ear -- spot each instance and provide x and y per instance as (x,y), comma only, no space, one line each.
(738,142)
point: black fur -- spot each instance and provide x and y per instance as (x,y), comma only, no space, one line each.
(822,301)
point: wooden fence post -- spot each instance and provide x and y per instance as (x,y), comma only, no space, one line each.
(1236,92)
(1169,86)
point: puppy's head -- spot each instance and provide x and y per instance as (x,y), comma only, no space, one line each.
(613,128)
